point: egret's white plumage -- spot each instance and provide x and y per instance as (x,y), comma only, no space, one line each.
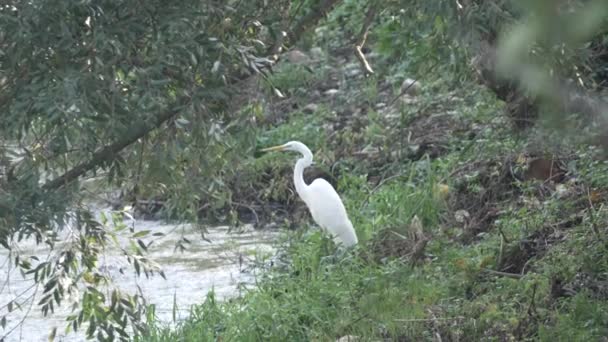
(321,198)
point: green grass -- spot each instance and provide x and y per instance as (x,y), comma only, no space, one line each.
(458,291)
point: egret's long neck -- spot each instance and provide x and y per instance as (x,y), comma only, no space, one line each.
(298,172)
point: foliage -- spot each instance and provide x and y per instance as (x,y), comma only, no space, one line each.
(125,94)
(458,289)
(142,95)
(517,278)
(542,46)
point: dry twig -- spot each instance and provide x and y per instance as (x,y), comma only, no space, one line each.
(503,274)
(369,18)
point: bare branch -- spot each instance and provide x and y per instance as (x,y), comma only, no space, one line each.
(360,42)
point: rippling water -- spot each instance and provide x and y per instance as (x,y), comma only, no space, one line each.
(219,265)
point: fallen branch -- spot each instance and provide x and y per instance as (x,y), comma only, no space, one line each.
(435,327)
(363,61)
(369,18)
(503,274)
(428,319)
(150,202)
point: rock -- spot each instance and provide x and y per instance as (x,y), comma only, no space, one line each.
(407,99)
(317,53)
(321,31)
(348,338)
(331,92)
(410,87)
(413,150)
(442,191)
(380,105)
(352,69)
(392,116)
(310,108)
(372,55)
(297,57)
(462,216)
(562,191)
(353,72)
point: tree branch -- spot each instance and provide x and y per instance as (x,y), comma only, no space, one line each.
(107,153)
(369,18)
(142,128)
(311,20)
(277,47)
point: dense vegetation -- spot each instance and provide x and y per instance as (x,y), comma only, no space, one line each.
(478,192)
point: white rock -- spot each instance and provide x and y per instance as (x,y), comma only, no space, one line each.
(561,191)
(410,87)
(353,72)
(310,108)
(297,57)
(461,216)
(331,92)
(317,53)
(352,69)
(407,99)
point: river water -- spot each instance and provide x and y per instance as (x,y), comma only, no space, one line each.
(220,264)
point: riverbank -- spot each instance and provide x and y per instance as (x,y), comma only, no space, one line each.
(468,230)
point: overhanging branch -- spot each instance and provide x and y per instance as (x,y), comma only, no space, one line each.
(311,19)
(107,153)
(142,128)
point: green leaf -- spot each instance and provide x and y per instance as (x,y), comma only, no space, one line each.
(141,234)
(45,299)
(92,327)
(174,310)
(114,300)
(57,297)
(53,334)
(50,285)
(142,245)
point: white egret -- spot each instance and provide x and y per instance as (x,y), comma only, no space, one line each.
(320,197)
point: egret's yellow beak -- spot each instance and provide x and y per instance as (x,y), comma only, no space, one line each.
(274,148)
